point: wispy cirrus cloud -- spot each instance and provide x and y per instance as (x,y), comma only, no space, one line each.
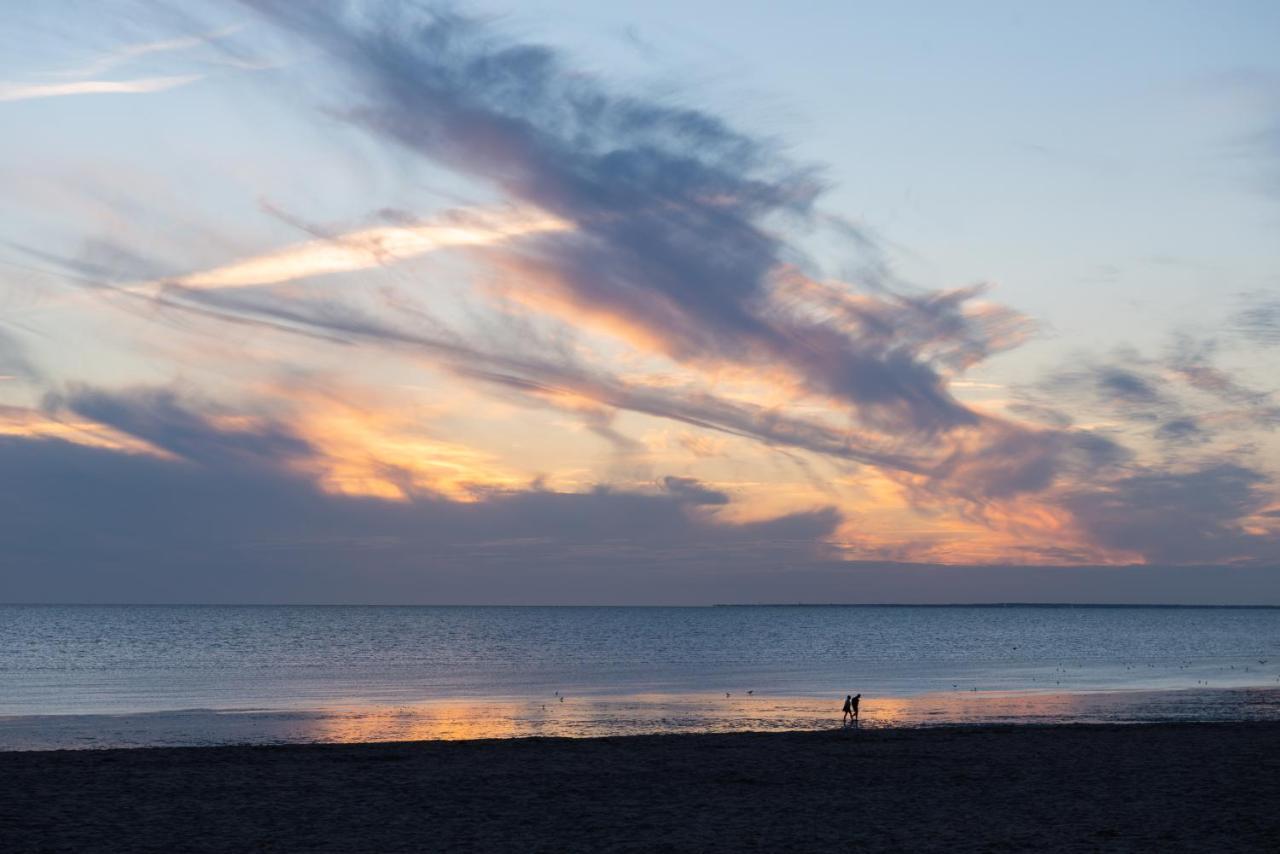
(1259,320)
(85,78)
(129,52)
(992,461)
(373,247)
(30,91)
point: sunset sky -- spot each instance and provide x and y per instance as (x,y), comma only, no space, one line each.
(563,302)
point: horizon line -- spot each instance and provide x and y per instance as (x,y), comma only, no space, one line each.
(638,605)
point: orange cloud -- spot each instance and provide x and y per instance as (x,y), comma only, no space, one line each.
(374,448)
(32,424)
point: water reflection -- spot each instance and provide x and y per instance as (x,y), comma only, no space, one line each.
(621,715)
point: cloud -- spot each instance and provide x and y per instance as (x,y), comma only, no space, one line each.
(992,459)
(691,490)
(1182,397)
(372,247)
(1259,321)
(1192,360)
(98,525)
(675,214)
(1189,482)
(1180,518)
(230,518)
(83,79)
(1182,430)
(14,363)
(30,91)
(160,418)
(1003,461)
(127,53)
(644,258)
(99,260)
(1125,386)
(1041,414)
(548,377)
(672,224)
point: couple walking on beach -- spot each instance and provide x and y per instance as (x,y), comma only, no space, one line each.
(851,709)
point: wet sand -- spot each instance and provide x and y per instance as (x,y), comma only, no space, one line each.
(1146,787)
(652,714)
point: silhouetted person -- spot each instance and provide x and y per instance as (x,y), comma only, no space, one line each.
(848,710)
(853,707)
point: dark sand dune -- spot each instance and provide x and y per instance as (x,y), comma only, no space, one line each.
(1167,787)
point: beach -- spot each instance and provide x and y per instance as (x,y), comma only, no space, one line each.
(349,729)
(1138,787)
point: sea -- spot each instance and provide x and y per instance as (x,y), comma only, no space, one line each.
(147,675)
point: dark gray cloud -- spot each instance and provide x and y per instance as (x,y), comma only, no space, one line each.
(1181,431)
(1188,517)
(91,525)
(940,325)
(160,418)
(1012,461)
(233,521)
(1126,386)
(693,491)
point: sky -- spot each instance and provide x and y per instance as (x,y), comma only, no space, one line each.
(660,303)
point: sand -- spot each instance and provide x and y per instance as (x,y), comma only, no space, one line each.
(1161,787)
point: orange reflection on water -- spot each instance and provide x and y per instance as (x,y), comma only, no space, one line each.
(660,713)
(622,715)
(451,720)
(952,707)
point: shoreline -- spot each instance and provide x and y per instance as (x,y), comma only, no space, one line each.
(833,731)
(1141,786)
(457,719)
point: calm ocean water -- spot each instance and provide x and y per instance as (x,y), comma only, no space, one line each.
(618,669)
